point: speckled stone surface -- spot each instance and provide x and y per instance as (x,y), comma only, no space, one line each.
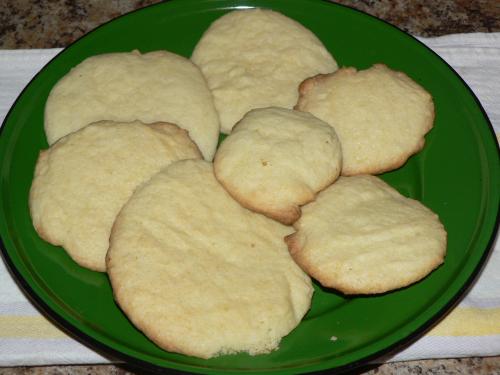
(56,23)
(465,366)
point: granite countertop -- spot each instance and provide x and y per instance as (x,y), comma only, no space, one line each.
(56,23)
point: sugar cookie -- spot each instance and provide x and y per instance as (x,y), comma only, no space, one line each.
(83,180)
(257,58)
(129,86)
(381,116)
(361,236)
(198,273)
(276,160)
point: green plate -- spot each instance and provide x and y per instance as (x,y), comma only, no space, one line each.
(456,175)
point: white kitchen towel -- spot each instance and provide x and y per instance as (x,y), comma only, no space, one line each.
(471,329)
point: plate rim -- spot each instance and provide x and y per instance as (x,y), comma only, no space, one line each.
(137,363)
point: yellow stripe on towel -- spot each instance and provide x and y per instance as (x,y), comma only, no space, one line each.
(468,321)
(36,327)
(460,322)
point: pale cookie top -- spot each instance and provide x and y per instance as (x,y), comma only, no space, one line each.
(198,273)
(380,115)
(257,58)
(129,86)
(83,180)
(361,236)
(277,159)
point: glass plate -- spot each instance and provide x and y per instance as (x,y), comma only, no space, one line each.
(456,175)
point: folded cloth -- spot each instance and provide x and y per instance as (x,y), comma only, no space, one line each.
(471,329)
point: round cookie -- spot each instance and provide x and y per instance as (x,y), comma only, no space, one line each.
(83,180)
(360,236)
(129,86)
(198,273)
(381,116)
(257,58)
(276,160)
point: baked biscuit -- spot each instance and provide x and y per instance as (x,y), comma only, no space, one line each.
(129,86)
(360,236)
(83,180)
(198,273)
(257,58)
(276,160)
(381,116)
